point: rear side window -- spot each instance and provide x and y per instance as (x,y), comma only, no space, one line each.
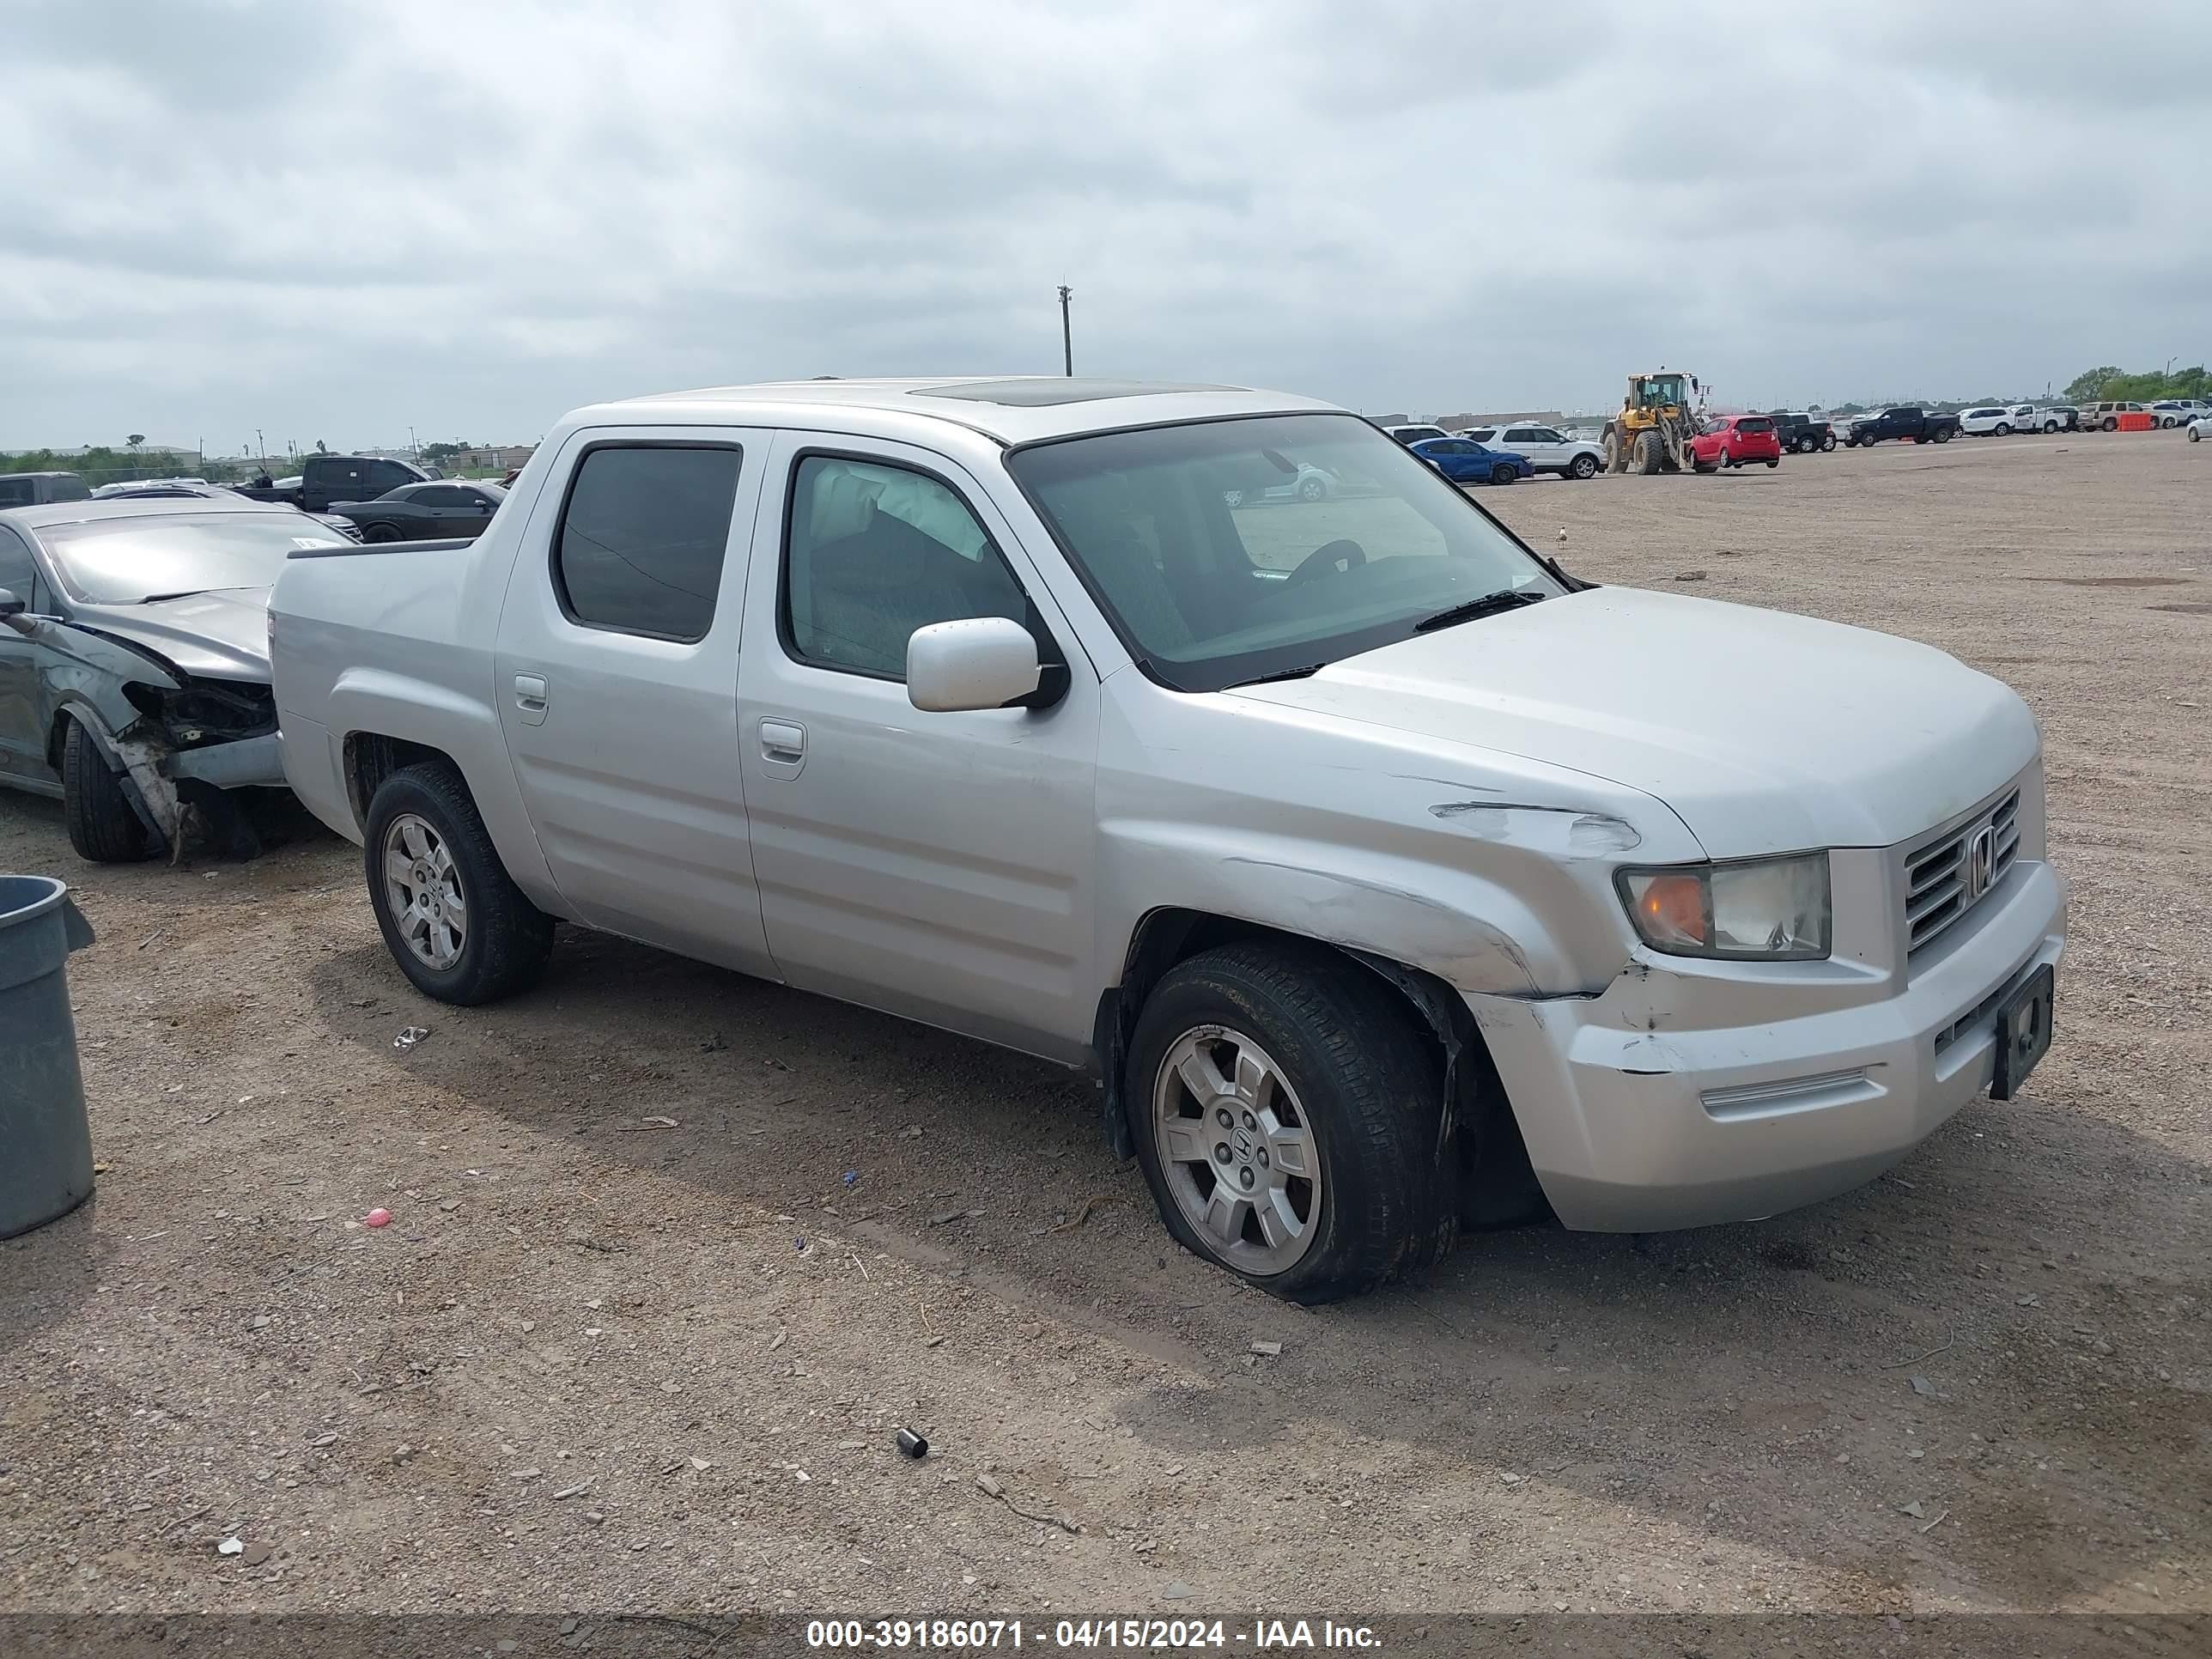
(15,492)
(640,545)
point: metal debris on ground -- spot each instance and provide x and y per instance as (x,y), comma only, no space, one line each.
(913,1444)
(1096,1201)
(1269,1350)
(658,1122)
(991,1488)
(576,1491)
(408,1037)
(1923,1387)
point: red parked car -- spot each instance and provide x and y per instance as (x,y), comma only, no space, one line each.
(1734,439)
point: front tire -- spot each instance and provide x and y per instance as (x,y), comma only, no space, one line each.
(103,826)
(2002,430)
(451,915)
(380,532)
(1827,442)
(1649,453)
(1583,468)
(2195,436)
(1502,474)
(1312,489)
(1284,1110)
(2110,424)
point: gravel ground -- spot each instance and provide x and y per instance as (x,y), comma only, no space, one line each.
(598,1362)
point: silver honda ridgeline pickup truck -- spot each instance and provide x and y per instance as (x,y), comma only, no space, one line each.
(1389,878)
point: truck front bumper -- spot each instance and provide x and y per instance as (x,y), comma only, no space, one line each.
(1640,1125)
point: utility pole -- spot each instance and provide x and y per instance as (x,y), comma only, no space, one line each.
(260,444)
(414,448)
(1066,340)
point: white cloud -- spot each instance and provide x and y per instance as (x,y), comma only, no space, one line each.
(331,222)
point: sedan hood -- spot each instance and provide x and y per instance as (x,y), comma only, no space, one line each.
(221,636)
(1766,732)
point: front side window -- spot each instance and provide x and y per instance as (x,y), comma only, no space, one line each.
(16,570)
(873,552)
(640,545)
(1207,595)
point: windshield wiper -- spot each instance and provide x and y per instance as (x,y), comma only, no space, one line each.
(1280,674)
(1506,599)
(187,593)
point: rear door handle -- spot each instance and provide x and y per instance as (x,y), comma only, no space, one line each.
(783,747)
(531,698)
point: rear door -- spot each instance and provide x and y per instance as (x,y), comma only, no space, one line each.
(939,865)
(617,681)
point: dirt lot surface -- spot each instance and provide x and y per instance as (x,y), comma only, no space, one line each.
(598,1363)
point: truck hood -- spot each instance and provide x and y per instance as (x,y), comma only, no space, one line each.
(219,635)
(1766,732)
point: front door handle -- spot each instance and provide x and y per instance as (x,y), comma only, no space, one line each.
(531,698)
(783,747)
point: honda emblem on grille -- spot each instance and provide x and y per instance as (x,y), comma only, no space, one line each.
(1981,861)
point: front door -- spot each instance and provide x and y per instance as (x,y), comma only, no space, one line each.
(22,739)
(939,865)
(616,680)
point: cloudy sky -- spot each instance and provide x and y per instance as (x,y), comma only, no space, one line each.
(333,221)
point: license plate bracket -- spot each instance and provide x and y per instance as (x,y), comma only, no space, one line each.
(2023,1033)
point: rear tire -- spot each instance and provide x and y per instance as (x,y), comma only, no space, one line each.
(103,826)
(504,939)
(1363,1092)
(1776,461)
(1827,442)
(1942,435)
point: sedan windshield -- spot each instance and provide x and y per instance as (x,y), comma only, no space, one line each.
(1227,551)
(128,561)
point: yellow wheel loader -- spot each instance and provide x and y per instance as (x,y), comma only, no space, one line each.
(1657,421)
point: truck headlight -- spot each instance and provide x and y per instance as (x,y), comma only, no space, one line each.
(1753,909)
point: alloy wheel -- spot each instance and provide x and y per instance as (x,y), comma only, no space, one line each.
(1237,1150)
(422,891)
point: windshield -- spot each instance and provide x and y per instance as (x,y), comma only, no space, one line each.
(124,561)
(1223,551)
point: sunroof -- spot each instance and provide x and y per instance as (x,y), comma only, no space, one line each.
(1043,393)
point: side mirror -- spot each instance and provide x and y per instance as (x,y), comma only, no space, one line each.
(9,604)
(978,662)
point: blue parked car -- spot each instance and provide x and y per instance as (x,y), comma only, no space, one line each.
(1465,461)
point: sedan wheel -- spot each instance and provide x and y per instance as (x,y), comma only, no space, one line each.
(1584,467)
(1237,1150)
(428,906)
(381,533)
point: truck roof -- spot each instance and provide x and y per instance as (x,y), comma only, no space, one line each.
(1010,409)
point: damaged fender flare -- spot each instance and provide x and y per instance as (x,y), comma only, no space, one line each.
(138,764)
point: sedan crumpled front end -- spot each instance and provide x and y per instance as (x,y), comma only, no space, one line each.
(178,739)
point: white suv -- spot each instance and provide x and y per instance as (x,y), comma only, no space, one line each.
(1548,449)
(2181,412)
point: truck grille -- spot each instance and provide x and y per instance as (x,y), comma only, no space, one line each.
(1942,880)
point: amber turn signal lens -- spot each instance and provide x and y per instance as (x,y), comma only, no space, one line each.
(1673,908)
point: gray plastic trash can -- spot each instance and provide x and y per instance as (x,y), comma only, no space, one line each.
(45,1139)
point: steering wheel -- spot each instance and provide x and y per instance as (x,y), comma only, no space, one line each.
(1340,555)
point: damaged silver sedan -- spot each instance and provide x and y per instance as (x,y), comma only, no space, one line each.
(134,665)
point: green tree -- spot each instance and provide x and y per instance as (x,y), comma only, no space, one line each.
(437,454)
(2089,387)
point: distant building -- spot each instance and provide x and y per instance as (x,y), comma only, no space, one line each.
(495,457)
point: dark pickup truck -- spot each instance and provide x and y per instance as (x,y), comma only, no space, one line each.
(325,479)
(1918,424)
(1802,432)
